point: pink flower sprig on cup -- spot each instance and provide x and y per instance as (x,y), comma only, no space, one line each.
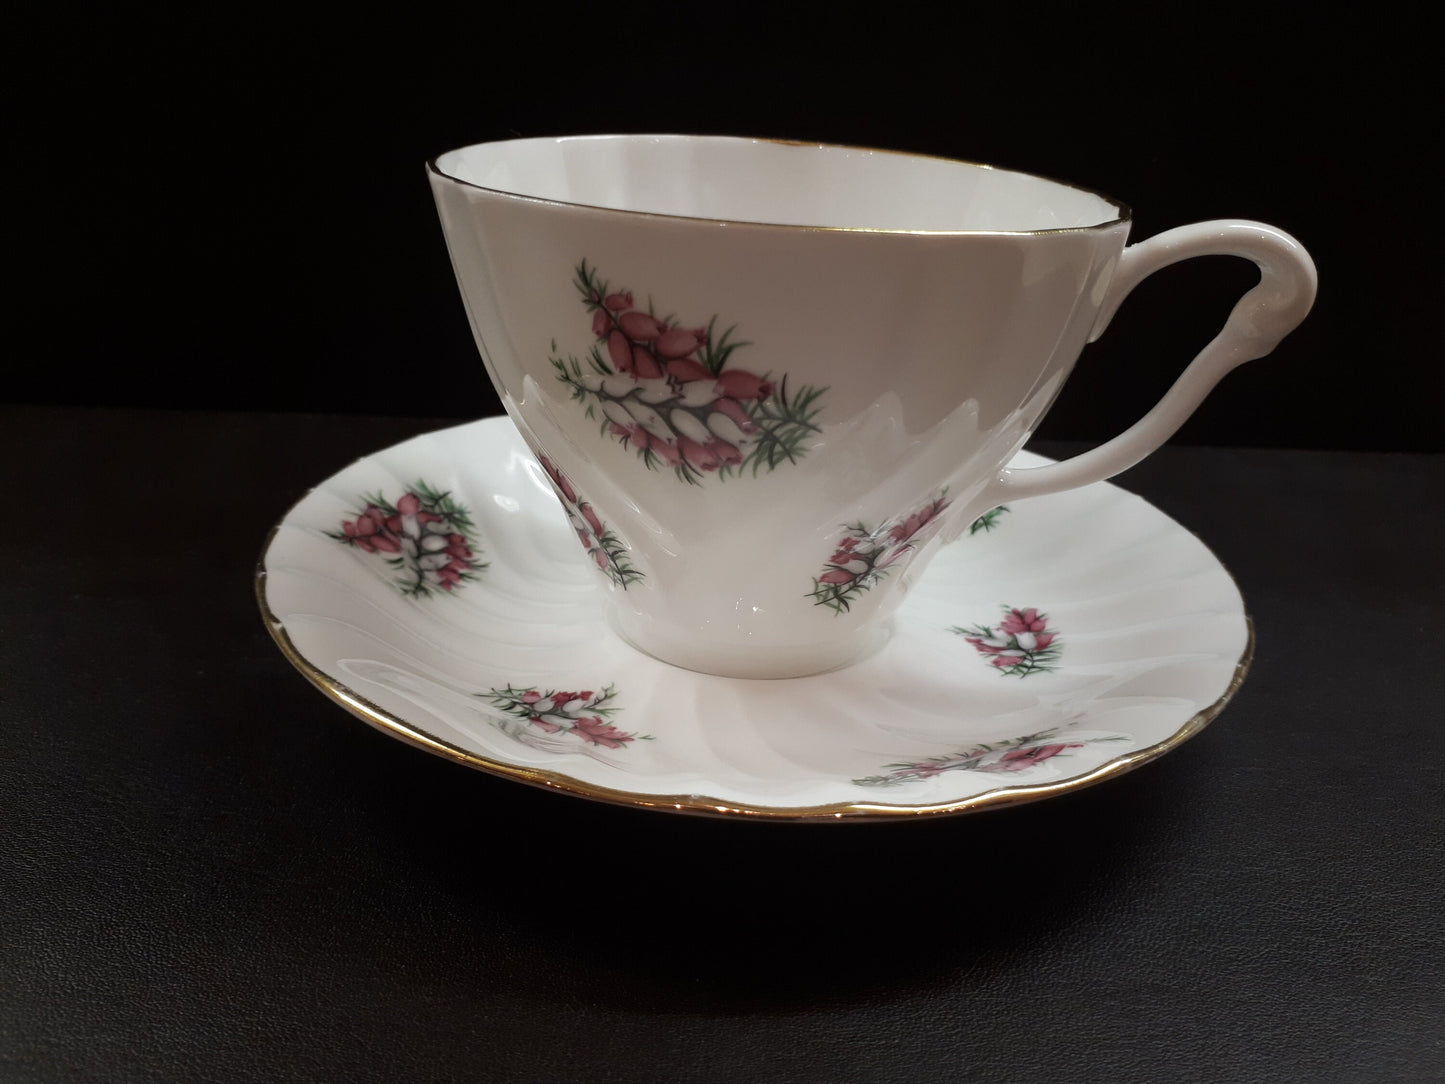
(583,714)
(667,391)
(607,551)
(1020,644)
(427,537)
(862,556)
(1012,755)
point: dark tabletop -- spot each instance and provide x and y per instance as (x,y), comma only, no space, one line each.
(210,872)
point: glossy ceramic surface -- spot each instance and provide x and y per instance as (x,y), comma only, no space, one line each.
(744,356)
(439,592)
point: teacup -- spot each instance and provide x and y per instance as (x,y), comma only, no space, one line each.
(768,380)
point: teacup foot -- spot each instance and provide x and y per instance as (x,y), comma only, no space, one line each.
(760,661)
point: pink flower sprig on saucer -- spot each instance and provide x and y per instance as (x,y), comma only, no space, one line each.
(862,557)
(1012,755)
(667,391)
(426,536)
(582,714)
(608,552)
(1021,644)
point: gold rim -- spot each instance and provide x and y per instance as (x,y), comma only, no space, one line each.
(1123,214)
(701,804)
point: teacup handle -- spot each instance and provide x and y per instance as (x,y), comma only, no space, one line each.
(1261,318)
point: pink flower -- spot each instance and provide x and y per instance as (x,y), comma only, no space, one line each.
(668,451)
(592,520)
(558,479)
(1018,621)
(408,505)
(739,384)
(386,542)
(618,302)
(644,365)
(531,696)
(1043,640)
(366,544)
(726,453)
(618,431)
(601,323)
(837,575)
(847,544)
(698,455)
(549,727)
(639,327)
(600,558)
(597,731)
(620,350)
(901,532)
(842,557)
(1016,760)
(685,370)
(678,343)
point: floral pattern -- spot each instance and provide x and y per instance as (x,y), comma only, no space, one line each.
(1013,755)
(582,714)
(669,392)
(606,550)
(427,537)
(863,556)
(1021,643)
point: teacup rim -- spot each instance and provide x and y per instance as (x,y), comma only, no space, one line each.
(1123,217)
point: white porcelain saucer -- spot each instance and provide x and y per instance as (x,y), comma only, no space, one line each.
(437,591)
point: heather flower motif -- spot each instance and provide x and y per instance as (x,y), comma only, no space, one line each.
(427,537)
(582,714)
(607,551)
(862,557)
(665,391)
(1021,644)
(1014,755)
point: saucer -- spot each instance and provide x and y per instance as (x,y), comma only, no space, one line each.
(437,591)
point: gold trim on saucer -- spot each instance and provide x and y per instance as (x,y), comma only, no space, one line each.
(701,804)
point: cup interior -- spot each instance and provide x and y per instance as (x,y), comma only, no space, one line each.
(778,183)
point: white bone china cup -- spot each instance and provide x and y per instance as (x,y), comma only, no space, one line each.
(768,380)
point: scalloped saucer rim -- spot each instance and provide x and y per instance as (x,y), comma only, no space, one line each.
(1018,768)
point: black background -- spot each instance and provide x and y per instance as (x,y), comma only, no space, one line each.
(225,206)
(210,872)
